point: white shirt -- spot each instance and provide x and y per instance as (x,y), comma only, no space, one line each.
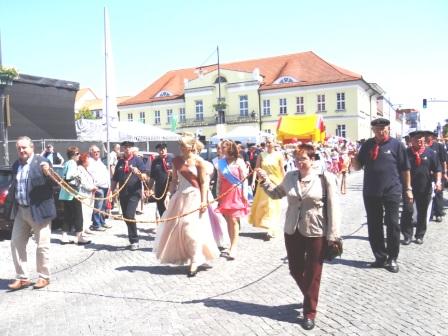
(99,172)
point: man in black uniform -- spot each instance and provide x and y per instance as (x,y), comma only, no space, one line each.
(161,168)
(424,167)
(386,166)
(131,194)
(437,203)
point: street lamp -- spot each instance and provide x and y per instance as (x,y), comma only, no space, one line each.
(7,75)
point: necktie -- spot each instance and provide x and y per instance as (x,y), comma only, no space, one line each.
(417,152)
(376,148)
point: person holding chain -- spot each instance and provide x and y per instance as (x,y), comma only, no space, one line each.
(160,176)
(312,222)
(130,191)
(184,235)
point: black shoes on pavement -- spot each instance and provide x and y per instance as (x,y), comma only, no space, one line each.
(406,241)
(378,263)
(391,265)
(419,241)
(308,324)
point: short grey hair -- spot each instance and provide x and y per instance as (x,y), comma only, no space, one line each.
(25,138)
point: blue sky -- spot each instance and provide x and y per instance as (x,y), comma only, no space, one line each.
(401,45)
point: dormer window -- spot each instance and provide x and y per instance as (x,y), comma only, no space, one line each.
(163,94)
(286,80)
(220,79)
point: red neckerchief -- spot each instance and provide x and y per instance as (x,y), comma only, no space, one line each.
(165,166)
(127,169)
(251,155)
(417,152)
(375,151)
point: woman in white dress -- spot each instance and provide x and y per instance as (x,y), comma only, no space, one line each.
(186,239)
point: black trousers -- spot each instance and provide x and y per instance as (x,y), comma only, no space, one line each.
(129,203)
(422,200)
(437,204)
(161,206)
(72,216)
(383,210)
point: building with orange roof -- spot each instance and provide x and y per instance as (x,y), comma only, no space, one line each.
(86,98)
(214,99)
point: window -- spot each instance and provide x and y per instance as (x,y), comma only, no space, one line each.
(266,107)
(199,110)
(340,131)
(157,117)
(340,101)
(142,117)
(220,79)
(182,117)
(169,116)
(300,105)
(163,94)
(244,106)
(320,103)
(283,108)
(130,117)
(285,80)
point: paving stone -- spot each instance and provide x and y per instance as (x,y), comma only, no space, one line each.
(105,289)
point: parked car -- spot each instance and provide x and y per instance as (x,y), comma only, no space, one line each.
(5,207)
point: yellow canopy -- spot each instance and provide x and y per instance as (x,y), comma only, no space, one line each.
(304,128)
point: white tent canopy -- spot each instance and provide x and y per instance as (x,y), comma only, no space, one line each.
(244,134)
(96,130)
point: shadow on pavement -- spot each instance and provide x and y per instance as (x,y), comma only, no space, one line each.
(140,237)
(4,283)
(161,270)
(284,313)
(104,247)
(351,263)
(355,237)
(253,235)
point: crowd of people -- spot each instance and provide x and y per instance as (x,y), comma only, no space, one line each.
(201,204)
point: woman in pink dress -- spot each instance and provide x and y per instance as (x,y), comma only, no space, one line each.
(187,239)
(232,204)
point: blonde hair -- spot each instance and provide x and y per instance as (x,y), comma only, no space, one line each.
(188,140)
(199,146)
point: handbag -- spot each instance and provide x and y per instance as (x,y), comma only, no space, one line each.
(336,247)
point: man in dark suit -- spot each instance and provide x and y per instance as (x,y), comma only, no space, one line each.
(160,176)
(131,194)
(33,209)
(425,168)
(386,175)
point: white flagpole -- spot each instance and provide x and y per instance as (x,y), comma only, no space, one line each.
(106,67)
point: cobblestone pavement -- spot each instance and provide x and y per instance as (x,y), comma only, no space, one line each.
(106,289)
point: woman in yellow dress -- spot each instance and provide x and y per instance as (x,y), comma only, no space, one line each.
(265,211)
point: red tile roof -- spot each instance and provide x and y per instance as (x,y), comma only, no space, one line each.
(306,67)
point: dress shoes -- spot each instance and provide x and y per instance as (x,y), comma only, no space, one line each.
(19,284)
(307,323)
(392,266)
(378,263)
(419,241)
(192,273)
(41,283)
(406,241)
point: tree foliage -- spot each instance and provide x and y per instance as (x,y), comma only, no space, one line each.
(84,113)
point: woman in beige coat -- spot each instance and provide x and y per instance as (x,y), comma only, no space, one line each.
(312,221)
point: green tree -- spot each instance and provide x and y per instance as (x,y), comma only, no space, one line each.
(84,113)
